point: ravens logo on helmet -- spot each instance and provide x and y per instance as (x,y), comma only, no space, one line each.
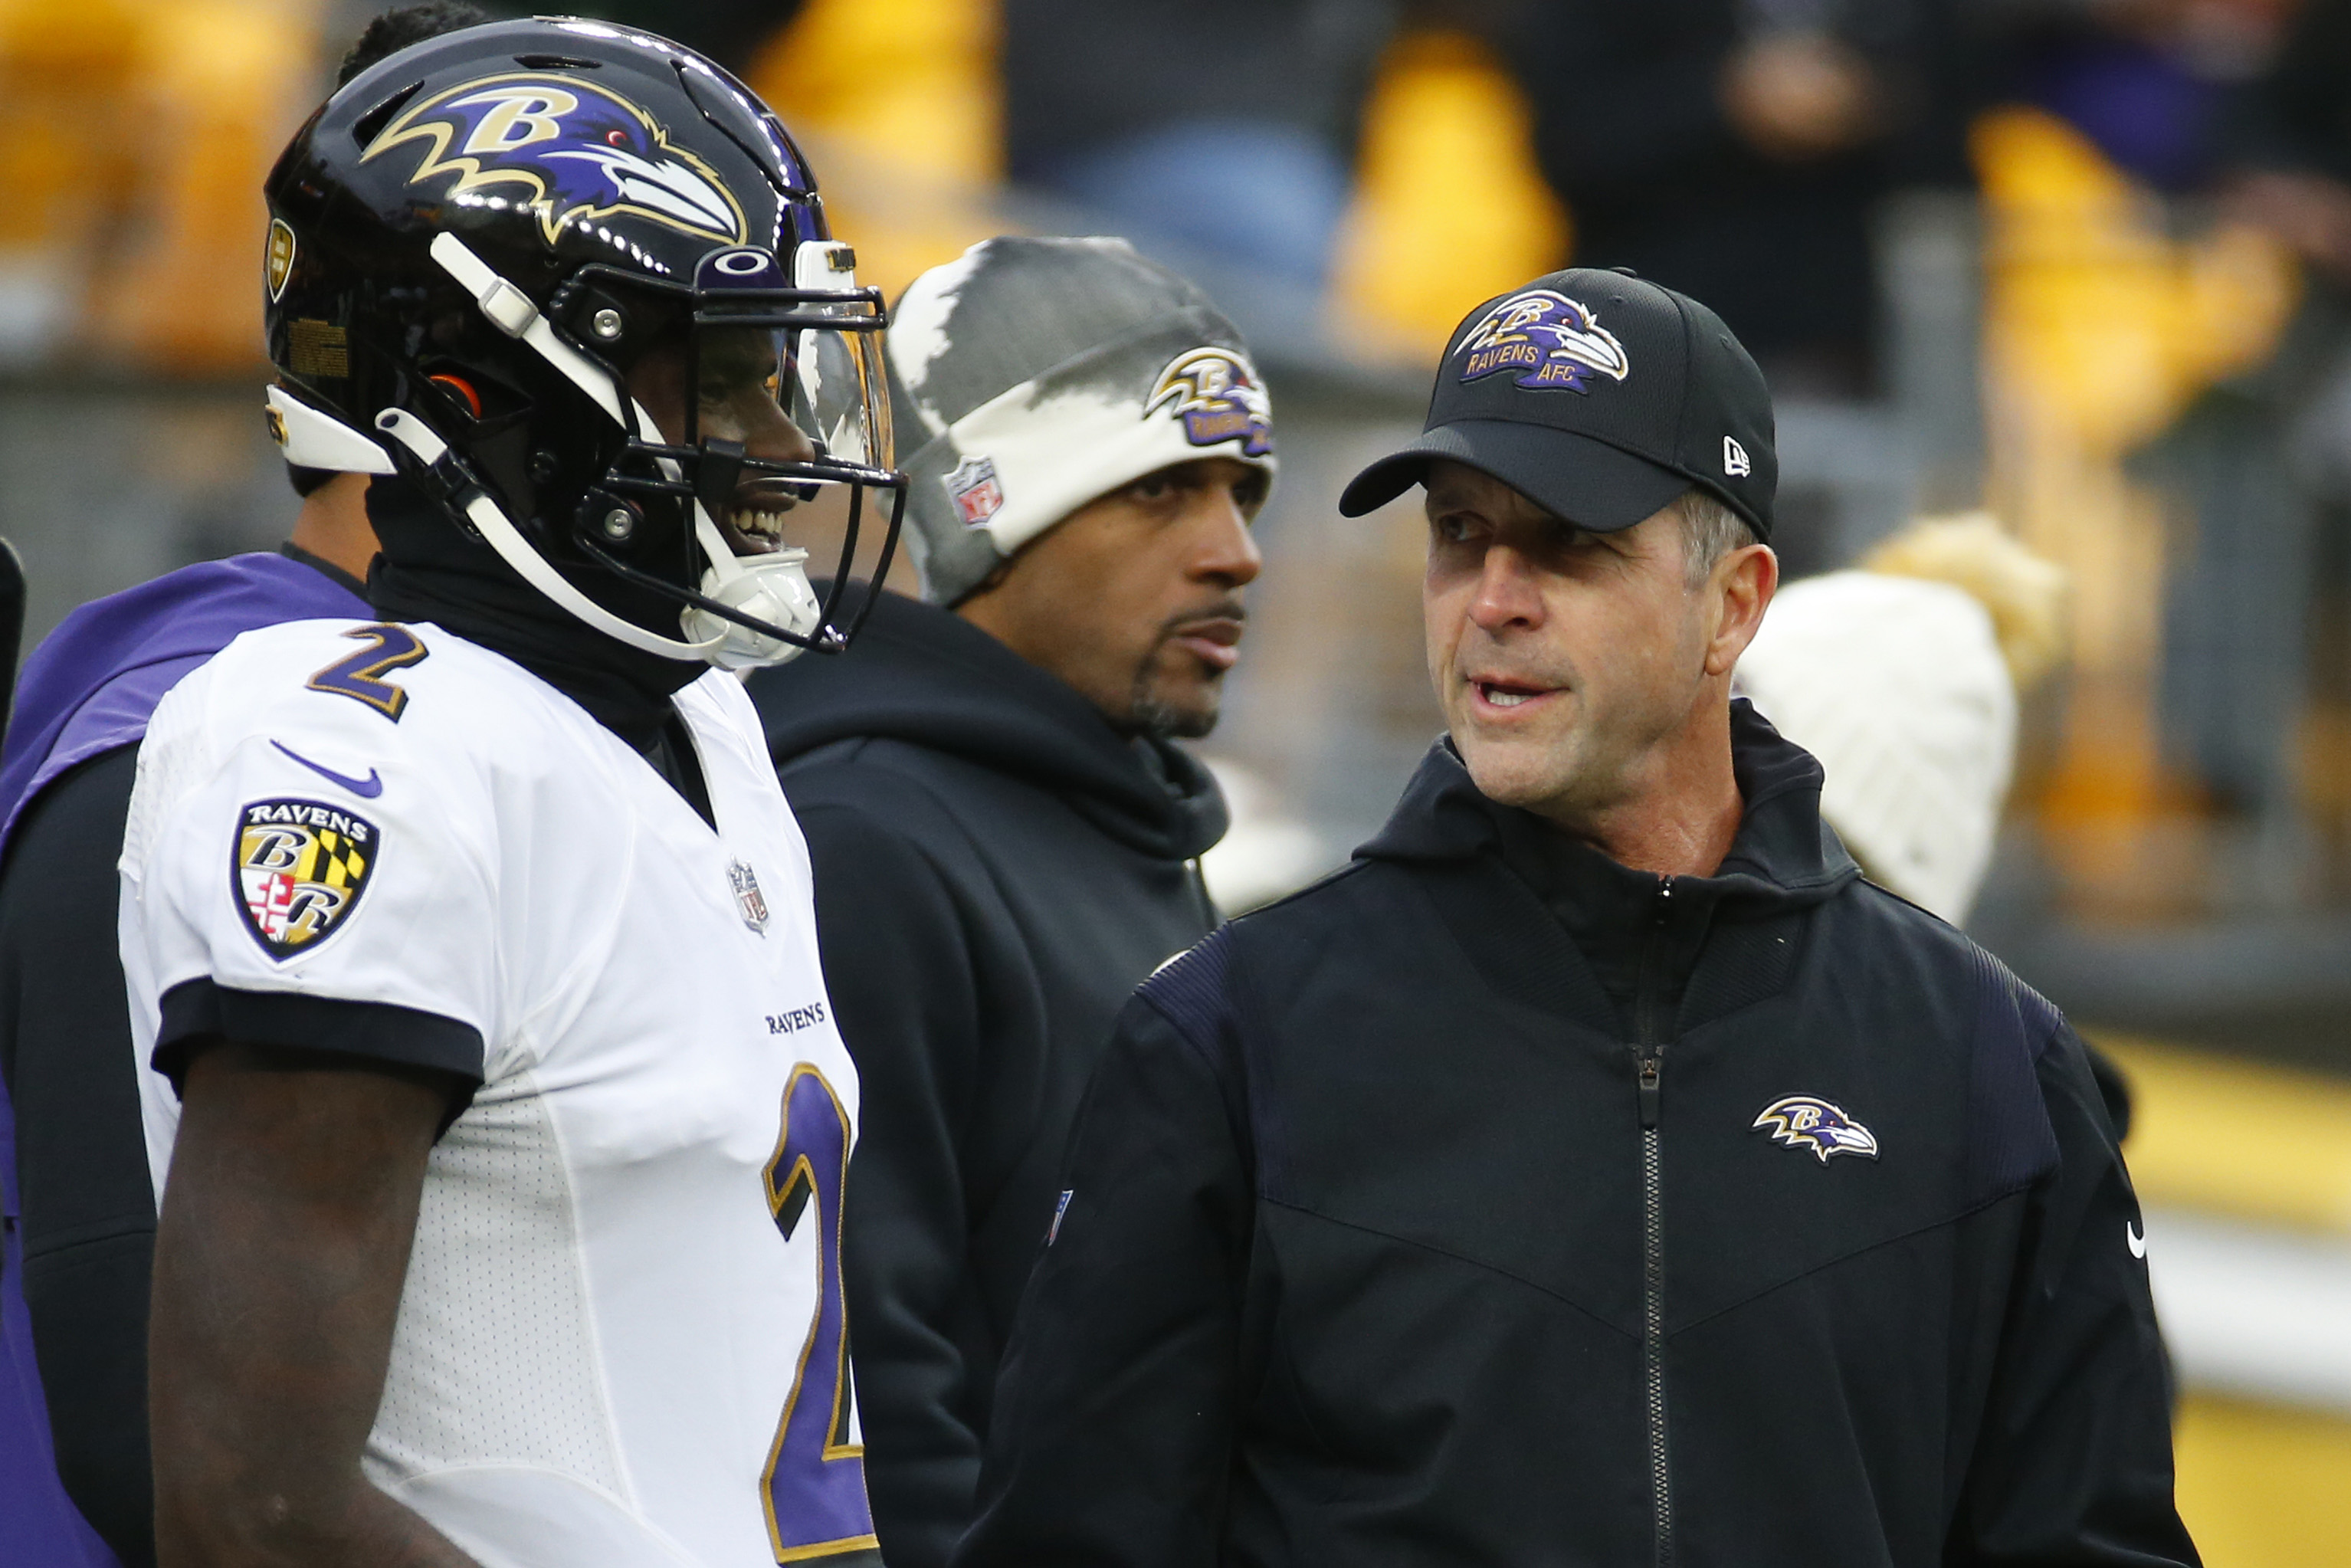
(479,244)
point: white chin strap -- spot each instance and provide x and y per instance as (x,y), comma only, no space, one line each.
(773,588)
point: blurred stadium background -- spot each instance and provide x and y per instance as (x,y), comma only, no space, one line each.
(2100,266)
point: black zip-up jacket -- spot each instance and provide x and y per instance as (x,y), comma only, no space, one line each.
(1439,1214)
(995,870)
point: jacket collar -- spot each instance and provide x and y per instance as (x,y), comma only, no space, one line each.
(1784,856)
(928,677)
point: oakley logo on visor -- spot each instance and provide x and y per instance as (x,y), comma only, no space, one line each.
(744,267)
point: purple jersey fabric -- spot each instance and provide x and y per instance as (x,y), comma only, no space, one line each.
(89,688)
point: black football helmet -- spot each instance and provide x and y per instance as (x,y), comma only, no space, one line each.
(497,259)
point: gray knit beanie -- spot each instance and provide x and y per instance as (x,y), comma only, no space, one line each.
(1035,375)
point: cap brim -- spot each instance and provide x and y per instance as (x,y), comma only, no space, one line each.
(1591,484)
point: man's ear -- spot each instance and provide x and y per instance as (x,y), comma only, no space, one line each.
(1742,583)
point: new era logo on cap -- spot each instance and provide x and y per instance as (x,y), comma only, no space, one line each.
(1734,458)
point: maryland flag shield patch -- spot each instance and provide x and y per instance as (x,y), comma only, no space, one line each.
(300,869)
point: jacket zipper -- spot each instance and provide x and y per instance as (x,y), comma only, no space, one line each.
(1653,1232)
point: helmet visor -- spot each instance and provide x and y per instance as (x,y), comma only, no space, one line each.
(789,416)
(841,393)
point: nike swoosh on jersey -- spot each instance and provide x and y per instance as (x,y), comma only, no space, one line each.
(366,789)
(2135,1240)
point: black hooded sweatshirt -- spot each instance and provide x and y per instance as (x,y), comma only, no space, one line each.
(997,868)
(1493,1203)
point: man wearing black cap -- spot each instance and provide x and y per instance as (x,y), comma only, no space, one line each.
(1596,1171)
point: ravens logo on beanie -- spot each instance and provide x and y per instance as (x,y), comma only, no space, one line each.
(1032,376)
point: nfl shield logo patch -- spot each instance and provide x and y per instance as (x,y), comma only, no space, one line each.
(298,872)
(974,492)
(748,896)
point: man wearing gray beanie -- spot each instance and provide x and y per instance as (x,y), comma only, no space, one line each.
(1005,841)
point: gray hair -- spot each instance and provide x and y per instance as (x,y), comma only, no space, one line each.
(1711,530)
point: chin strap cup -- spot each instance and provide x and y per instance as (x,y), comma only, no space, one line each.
(771,587)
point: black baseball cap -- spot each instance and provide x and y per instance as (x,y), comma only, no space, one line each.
(1599,396)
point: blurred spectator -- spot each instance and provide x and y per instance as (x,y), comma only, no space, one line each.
(2264,461)
(2287,146)
(2147,80)
(2141,78)
(1228,125)
(133,136)
(2288,142)
(1736,149)
(1902,677)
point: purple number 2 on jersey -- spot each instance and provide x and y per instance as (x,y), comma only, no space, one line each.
(815,1484)
(361,676)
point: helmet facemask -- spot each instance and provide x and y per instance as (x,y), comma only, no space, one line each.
(755,423)
(774,405)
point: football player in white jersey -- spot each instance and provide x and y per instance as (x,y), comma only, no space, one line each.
(497,1115)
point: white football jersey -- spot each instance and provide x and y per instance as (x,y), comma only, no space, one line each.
(620,1342)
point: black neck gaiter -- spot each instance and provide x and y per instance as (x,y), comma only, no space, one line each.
(431,570)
